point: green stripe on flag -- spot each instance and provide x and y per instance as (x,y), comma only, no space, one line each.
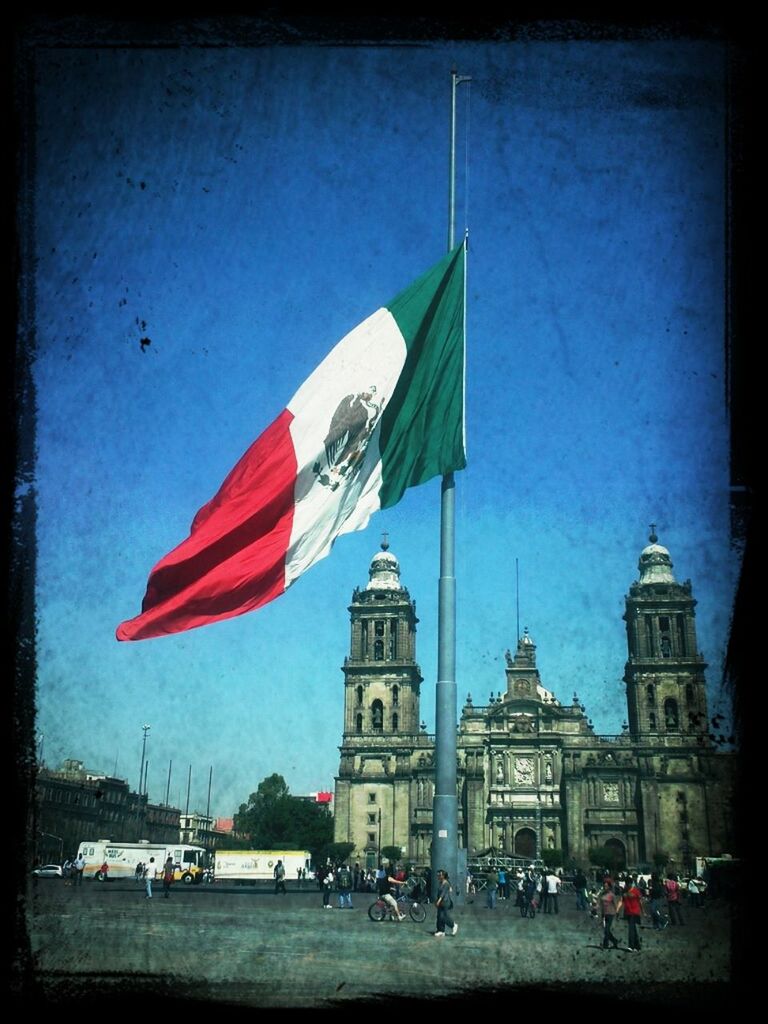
(422,427)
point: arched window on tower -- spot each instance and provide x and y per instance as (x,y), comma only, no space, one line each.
(392,639)
(395,722)
(359,692)
(652,721)
(682,646)
(364,638)
(650,694)
(671,716)
(395,696)
(358,723)
(378,650)
(377,716)
(666,642)
(690,696)
(649,636)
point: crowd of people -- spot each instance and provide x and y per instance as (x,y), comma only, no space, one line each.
(389,883)
(72,870)
(627,897)
(367,880)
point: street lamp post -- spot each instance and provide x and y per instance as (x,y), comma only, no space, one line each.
(145,729)
(59,840)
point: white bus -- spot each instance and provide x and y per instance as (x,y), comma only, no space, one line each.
(250,866)
(121,859)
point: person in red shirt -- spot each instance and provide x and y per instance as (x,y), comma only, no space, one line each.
(673,899)
(631,900)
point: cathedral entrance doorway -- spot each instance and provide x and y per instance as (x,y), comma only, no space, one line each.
(618,854)
(525,843)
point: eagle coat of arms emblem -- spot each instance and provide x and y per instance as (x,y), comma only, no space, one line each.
(350,430)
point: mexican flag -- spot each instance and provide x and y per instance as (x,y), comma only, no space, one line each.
(384,411)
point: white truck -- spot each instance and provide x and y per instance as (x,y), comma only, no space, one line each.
(243,867)
(121,859)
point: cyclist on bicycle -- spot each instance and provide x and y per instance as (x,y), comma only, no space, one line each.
(385,883)
(531,886)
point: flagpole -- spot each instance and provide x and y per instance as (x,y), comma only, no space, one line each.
(445,810)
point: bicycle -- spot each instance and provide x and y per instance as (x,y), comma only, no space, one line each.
(379,909)
(528,907)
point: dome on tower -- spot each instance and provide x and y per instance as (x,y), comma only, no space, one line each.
(384,572)
(655,563)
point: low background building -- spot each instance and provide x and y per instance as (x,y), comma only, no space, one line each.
(74,803)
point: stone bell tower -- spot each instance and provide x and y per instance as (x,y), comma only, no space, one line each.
(381,677)
(664,673)
(383,738)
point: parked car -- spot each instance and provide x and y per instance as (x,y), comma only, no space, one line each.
(48,871)
(683,883)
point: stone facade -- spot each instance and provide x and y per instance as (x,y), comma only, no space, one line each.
(532,774)
(73,804)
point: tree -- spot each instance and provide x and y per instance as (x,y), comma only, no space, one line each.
(336,853)
(392,853)
(553,858)
(275,820)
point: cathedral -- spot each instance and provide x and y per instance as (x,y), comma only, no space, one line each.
(532,774)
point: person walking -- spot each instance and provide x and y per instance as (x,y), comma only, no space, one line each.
(609,905)
(139,872)
(580,885)
(168,876)
(444,904)
(531,886)
(79,869)
(631,900)
(149,874)
(279,874)
(104,872)
(520,886)
(327,885)
(344,886)
(694,893)
(672,890)
(502,884)
(492,889)
(656,894)
(552,883)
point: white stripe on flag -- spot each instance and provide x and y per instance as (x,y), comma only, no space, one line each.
(367,361)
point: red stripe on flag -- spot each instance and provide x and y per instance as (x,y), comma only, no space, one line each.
(234,558)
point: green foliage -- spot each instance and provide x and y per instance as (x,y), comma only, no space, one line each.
(660,859)
(337,853)
(553,858)
(392,853)
(273,788)
(276,820)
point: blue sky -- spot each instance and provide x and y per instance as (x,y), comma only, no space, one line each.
(243,209)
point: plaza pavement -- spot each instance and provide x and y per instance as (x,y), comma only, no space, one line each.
(106,946)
